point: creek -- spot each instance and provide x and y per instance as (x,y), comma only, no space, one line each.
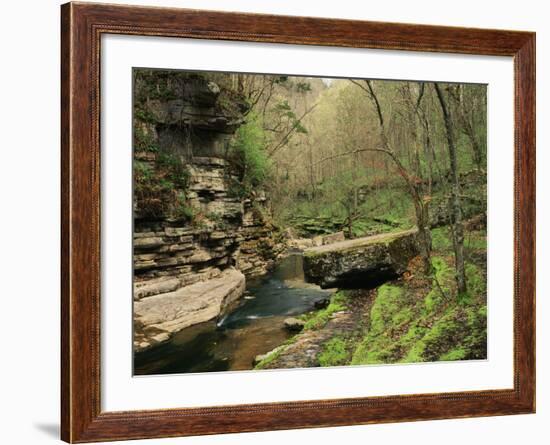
(254,327)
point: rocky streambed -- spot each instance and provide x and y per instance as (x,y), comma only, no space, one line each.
(254,327)
(239,332)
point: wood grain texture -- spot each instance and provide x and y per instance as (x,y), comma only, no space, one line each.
(82,27)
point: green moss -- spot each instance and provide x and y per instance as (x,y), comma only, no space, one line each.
(454,354)
(334,353)
(270,358)
(387,308)
(440,326)
(319,319)
(415,354)
(477,283)
(275,353)
(441,285)
(442,329)
(459,334)
(390,311)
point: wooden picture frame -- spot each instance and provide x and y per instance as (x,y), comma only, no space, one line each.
(82,26)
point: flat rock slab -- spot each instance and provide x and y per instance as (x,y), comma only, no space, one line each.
(157,317)
(362,262)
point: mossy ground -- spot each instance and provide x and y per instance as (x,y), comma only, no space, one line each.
(417,318)
(318,319)
(274,354)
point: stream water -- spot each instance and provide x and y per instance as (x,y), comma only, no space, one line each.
(254,327)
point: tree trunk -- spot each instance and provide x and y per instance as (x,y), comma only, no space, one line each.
(424,235)
(455,209)
(420,210)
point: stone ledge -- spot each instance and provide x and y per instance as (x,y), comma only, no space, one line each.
(362,262)
(171,312)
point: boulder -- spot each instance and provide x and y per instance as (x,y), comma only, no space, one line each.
(322,303)
(294,324)
(362,262)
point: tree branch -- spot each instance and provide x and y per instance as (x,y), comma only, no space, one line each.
(286,137)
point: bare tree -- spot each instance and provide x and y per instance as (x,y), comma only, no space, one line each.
(414,184)
(467,120)
(454,205)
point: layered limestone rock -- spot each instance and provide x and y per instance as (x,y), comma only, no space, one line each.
(158,316)
(360,263)
(193,236)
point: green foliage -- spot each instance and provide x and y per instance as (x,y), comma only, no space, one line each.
(303,87)
(284,111)
(249,157)
(334,353)
(143,171)
(319,319)
(385,210)
(477,282)
(144,115)
(160,188)
(174,170)
(182,209)
(441,239)
(144,141)
(156,84)
(476,240)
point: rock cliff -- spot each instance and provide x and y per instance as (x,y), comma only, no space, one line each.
(191,229)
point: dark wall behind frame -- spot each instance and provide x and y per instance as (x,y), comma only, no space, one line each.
(81,28)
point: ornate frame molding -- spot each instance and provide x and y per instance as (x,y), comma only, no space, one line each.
(82,25)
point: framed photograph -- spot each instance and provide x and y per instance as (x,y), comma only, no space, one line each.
(275,222)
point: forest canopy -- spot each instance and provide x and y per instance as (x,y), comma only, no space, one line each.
(323,148)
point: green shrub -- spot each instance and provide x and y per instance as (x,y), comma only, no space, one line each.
(174,170)
(143,172)
(248,156)
(144,141)
(160,188)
